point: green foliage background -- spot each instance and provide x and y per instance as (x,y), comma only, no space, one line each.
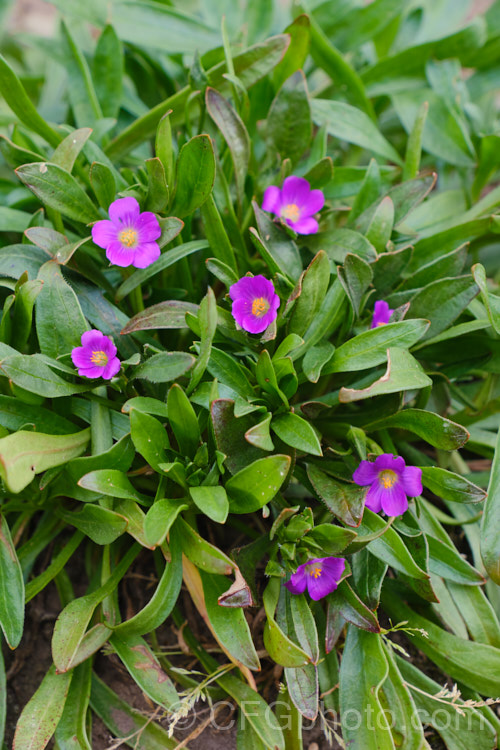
(208,433)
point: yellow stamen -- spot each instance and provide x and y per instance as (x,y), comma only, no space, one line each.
(128,237)
(259,307)
(388,478)
(291,211)
(99,358)
(316,572)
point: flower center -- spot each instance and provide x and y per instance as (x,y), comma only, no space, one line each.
(388,478)
(314,570)
(99,358)
(259,307)
(128,237)
(291,211)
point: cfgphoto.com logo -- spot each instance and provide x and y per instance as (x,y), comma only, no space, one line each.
(222,717)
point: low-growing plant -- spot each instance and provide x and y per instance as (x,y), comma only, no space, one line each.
(250,343)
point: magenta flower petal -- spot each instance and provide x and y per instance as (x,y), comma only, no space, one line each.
(146,254)
(298,581)
(129,237)
(373,499)
(320,575)
(411,480)
(124,211)
(295,204)
(255,303)
(96,358)
(295,190)
(394,501)
(366,473)
(390,482)
(272,200)
(381,314)
(104,233)
(314,202)
(148,226)
(304,226)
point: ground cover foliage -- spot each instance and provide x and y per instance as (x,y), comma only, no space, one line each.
(226,457)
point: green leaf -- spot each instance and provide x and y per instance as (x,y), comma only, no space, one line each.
(71,731)
(297,433)
(315,359)
(490,525)
(363,672)
(103,184)
(164,367)
(369,348)
(278,250)
(250,66)
(57,189)
(235,134)
(328,57)
(443,132)
(163,147)
(442,301)
(352,125)
(460,731)
(59,319)
(445,561)
(257,484)
(117,714)
(165,596)
(259,435)
(107,71)
(41,714)
(18,100)
(212,501)
(219,242)
(450,486)
(145,669)
(296,54)
(169,314)
(406,720)
(183,421)
(279,646)
(149,437)
(11,589)
(379,230)
(81,92)
(69,630)
(346,501)
(414,143)
(207,318)
(490,301)
(303,687)
(331,539)
(101,525)
(289,126)
(66,153)
(436,430)
(389,547)
(313,286)
(35,585)
(164,261)
(474,664)
(201,553)
(109,482)
(355,276)
(160,518)
(24,454)
(404,373)
(158,192)
(195,175)
(346,603)
(229,623)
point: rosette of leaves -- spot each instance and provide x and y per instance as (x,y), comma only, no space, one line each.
(222,460)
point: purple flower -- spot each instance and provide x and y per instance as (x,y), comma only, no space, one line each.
(129,237)
(390,482)
(255,303)
(320,576)
(381,314)
(295,203)
(96,357)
